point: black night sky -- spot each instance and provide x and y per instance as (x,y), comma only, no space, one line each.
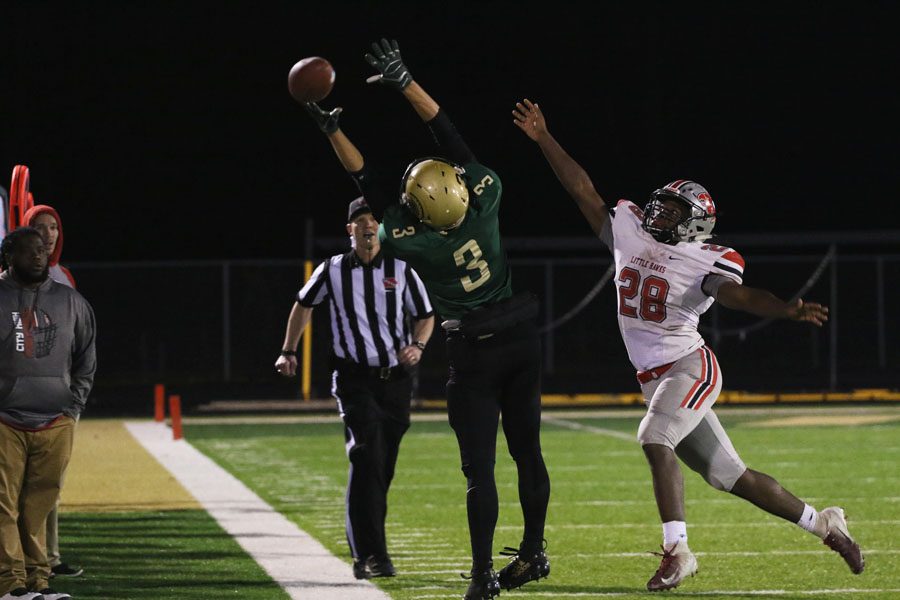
(165,130)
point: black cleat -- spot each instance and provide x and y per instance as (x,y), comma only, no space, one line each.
(374,566)
(484,585)
(524,566)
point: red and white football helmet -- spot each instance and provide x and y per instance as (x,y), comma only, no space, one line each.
(699,220)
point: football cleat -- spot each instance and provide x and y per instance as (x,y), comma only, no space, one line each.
(483,585)
(677,563)
(837,537)
(523,567)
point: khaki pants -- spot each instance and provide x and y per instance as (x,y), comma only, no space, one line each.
(32,464)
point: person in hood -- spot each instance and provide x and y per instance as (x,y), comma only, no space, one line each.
(45,219)
(47,366)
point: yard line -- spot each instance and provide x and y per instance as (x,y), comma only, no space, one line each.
(628,437)
(296,561)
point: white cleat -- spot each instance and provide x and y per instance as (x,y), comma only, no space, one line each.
(837,537)
(677,563)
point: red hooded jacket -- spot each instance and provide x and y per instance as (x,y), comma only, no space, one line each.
(57,272)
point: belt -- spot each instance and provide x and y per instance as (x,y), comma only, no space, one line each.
(383,373)
(654,373)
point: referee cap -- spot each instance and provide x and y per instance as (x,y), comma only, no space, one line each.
(356,208)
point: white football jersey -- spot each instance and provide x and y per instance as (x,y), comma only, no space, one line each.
(660,299)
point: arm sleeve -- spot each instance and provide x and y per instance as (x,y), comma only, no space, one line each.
(712,282)
(415,297)
(449,140)
(371,188)
(84,354)
(315,290)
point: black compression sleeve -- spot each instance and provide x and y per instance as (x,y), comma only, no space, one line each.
(449,140)
(370,189)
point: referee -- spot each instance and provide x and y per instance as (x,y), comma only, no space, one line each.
(374,302)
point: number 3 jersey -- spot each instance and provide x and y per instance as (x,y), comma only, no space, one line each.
(465,267)
(660,287)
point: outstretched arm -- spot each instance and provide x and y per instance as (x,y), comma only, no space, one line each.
(328,121)
(393,72)
(765,304)
(529,118)
(348,154)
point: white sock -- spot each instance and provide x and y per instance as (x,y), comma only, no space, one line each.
(809,520)
(674,531)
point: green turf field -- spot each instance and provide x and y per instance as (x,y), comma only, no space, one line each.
(178,554)
(602,522)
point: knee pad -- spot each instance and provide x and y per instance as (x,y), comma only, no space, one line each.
(649,434)
(723,474)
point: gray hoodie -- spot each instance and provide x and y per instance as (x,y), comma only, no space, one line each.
(47,353)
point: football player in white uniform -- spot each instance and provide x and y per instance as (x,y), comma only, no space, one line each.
(667,275)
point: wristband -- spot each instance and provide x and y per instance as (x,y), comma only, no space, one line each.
(419,345)
(288,353)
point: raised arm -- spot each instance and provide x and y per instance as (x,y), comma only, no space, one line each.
(529,118)
(348,154)
(393,72)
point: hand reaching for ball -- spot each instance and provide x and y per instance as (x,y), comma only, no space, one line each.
(326,120)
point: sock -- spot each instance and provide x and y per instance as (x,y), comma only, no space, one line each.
(810,521)
(674,531)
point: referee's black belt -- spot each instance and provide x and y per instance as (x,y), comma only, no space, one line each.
(348,367)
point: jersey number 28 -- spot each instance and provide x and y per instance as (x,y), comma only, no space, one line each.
(476,264)
(653,291)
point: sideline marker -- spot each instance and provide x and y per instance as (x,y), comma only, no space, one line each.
(175,411)
(159,401)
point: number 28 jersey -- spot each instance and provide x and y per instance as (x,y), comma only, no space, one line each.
(465,267)
(660,295)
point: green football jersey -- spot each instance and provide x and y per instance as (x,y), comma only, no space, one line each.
(465,267)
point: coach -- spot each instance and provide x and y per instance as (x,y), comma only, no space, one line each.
(372,300)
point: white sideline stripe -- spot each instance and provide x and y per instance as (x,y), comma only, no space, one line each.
(296,561)
(581,427)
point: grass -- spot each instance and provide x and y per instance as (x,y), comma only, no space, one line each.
(181,554)
(602,521)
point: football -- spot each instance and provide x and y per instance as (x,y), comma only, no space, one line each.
(311,79)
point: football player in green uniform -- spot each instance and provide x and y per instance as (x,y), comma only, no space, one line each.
(446,226)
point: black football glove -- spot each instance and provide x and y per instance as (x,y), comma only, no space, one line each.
(326,120)
(386,58)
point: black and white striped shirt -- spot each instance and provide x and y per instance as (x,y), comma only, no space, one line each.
(368,304)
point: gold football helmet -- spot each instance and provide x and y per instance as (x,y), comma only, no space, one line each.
(434,190)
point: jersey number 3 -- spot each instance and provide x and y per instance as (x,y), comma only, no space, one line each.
(653,291)
(476,264)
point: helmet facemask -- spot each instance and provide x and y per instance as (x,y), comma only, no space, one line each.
(697,218)
(436,193)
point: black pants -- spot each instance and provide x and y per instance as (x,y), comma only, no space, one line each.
(376,415)
(490,377)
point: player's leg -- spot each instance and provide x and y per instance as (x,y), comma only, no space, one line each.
(709,451)
(521,409)
(677,403)
(365,498)
(474,415)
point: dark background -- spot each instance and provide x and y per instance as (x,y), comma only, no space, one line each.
(165,130)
